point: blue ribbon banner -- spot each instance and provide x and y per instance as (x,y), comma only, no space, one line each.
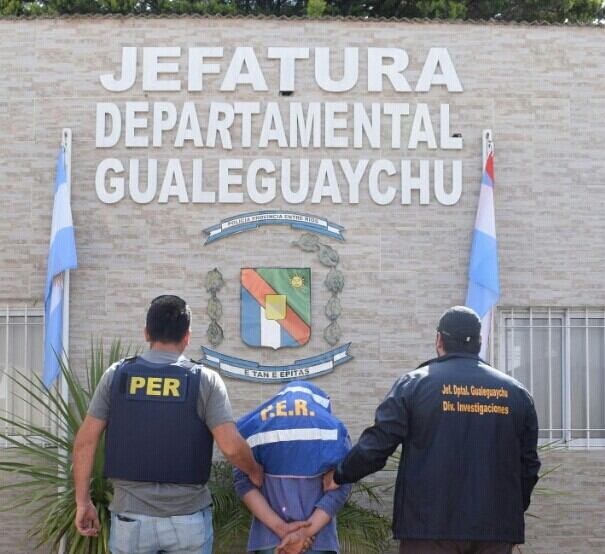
(252,220)
(301,369)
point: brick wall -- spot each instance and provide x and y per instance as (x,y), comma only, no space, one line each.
(539,89)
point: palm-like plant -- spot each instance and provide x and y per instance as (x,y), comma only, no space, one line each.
(43,479)
(46,485)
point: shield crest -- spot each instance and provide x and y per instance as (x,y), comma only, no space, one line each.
(275,307)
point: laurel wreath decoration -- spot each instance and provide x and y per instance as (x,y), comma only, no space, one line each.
(335,282)
(214,283)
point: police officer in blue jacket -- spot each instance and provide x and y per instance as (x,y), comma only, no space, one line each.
(161,414)
(469,461)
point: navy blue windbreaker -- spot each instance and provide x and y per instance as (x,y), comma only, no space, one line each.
(469,461)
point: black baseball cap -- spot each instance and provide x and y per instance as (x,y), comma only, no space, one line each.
(461,324)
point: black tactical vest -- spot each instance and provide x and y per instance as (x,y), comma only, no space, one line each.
(154,432)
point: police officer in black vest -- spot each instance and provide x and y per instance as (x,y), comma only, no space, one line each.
(469,461)
(161,413)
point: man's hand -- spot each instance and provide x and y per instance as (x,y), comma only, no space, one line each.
(257,476)
(296,542)
(329,484)
(85,445)
(286,528)
(87,520)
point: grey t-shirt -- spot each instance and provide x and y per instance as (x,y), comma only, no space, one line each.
(165,499)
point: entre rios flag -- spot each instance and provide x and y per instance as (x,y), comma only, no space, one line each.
(276,306)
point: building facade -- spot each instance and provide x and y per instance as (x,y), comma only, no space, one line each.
(373,127)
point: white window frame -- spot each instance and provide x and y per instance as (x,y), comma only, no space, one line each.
(566,315)
(7,311)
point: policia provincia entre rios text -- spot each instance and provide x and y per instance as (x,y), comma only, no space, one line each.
(292,126)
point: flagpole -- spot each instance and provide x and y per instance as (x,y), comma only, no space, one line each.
(66,143)
(64,390)
(488,146)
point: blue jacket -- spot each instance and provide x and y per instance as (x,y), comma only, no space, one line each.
(295,437)
(469,461)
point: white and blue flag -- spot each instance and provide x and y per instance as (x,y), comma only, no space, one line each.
(61,257)
(484,285)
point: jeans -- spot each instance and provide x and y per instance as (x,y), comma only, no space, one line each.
(141,534)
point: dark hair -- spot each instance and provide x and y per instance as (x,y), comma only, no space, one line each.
(454,344)
(168,319)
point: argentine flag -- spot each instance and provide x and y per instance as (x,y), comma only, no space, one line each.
(61,256)
(484,285)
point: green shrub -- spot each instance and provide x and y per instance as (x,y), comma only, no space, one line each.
(316,8)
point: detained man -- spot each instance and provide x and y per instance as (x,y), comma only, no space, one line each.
(296,438)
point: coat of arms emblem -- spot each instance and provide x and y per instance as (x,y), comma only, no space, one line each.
(275,302)
(275,307)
